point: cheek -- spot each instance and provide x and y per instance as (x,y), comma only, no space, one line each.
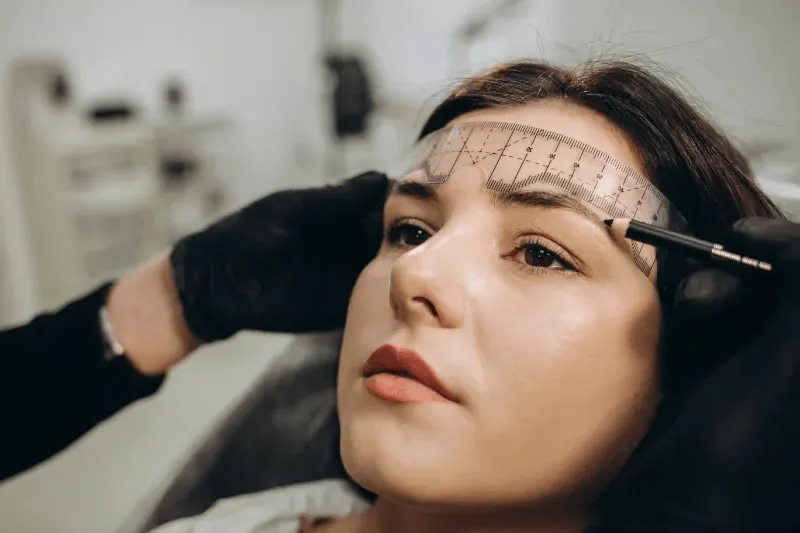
(567,333)
(369,317)
(370,297)
(571,384)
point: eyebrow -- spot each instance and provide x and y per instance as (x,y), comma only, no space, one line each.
(533,198)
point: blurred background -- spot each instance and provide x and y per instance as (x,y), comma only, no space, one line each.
(127,124)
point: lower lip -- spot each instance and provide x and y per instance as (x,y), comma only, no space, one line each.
(399,389)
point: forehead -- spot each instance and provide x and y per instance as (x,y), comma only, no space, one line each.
(567,119)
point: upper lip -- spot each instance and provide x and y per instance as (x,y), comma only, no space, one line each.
(388,358)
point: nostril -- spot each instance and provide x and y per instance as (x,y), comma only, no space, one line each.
(427,303)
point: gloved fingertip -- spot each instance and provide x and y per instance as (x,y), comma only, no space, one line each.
(369,178)
(707,289)
(369,186)
(753,225)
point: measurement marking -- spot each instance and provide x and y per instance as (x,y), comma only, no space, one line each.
(501,153)
(522,164)
(619,201)
(459,152)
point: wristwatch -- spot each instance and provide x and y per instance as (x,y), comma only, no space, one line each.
(113,348)
(128,383)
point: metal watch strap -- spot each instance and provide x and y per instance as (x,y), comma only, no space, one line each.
(113,347)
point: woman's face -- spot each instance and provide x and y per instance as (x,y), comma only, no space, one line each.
(536,321)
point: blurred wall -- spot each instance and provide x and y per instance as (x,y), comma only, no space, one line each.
(737,57)
(245,59)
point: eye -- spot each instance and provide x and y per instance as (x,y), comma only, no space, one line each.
(537,256)
(406,234)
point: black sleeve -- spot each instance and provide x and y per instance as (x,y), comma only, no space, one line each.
(55,383)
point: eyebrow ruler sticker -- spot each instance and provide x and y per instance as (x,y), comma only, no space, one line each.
(515,157)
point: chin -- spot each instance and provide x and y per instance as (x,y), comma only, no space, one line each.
(439,470)
(414,487)
(410,464)
(391,459)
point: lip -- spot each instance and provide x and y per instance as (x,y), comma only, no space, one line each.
(401,375)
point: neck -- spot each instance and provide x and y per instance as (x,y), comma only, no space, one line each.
(388,516)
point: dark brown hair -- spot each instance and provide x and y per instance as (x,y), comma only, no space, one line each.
(684,154)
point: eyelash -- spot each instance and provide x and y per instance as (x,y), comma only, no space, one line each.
(559,254)
(394,233)
(394,236)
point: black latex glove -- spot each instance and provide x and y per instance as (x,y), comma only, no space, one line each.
(729,458)
(285,263)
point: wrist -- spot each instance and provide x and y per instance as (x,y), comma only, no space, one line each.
(147,318)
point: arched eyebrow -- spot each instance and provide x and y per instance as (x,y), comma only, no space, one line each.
(547,199)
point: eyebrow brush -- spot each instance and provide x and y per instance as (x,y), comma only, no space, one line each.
(685,245)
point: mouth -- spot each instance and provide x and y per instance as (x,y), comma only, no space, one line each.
(402,376)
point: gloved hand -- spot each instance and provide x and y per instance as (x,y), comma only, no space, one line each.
(728,458)
(285,263)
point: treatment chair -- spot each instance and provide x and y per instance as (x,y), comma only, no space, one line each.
(284,431)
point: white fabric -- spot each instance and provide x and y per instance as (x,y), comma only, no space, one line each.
(273,511)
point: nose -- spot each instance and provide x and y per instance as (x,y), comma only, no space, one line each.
(424,284)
